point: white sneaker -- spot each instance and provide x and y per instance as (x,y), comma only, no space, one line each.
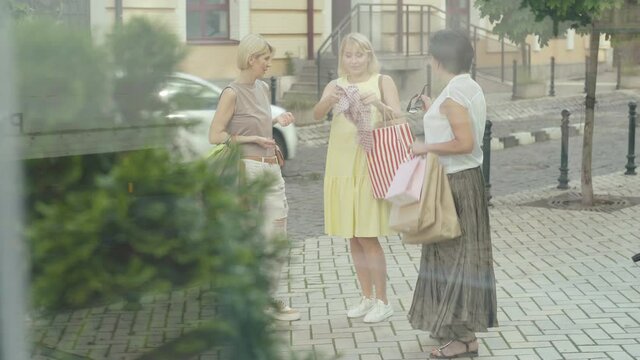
(283,312)
(362,308)
(379,312)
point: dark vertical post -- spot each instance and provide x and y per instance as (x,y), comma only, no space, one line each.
(399,27)
(408,31)
(474,64)
(318,73)
(486,159)
(502,59)
(273,90)
(118,5)
(563,180)
(552,89)
(371,21)
(529,60)
(421,29)
(429,25)
(618,69)
(631,156)
(310,29)
(429,80)
(357,18)
(515,80)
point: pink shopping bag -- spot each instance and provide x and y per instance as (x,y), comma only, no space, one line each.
(406,186)
(391,147)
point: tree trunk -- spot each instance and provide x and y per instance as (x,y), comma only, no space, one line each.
(590,104)
(523,52)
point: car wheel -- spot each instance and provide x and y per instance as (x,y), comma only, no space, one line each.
(277,136)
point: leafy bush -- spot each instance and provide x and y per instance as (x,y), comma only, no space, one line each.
(62,77)
(181,225)
(143,53)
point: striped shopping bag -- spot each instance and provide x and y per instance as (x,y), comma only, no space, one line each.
(391,147)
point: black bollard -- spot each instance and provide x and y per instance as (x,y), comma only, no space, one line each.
(552,89)
(515,79)
(563,180)
(486,160)
(273,90)
(618,69)
(631,156)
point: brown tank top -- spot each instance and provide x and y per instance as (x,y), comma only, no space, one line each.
(252,116)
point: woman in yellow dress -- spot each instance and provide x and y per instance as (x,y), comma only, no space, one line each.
(350,210)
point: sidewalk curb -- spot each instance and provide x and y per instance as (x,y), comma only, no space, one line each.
(532,137)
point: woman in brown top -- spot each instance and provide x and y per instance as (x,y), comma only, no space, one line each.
(244,117)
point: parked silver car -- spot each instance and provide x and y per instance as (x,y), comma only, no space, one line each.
(193,98)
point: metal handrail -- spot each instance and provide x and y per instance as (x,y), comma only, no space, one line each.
(404,30)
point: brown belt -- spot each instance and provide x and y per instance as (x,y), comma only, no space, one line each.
(264,159)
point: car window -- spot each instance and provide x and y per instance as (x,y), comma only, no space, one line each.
(183,94)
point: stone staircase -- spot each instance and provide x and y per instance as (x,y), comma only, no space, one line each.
(306,86)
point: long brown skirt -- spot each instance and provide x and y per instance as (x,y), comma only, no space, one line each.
(455,294)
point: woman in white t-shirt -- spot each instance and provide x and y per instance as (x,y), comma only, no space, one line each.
(455,295)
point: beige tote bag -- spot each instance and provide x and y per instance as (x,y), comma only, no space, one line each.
(433,218)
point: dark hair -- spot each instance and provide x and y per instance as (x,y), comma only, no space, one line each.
(453,50)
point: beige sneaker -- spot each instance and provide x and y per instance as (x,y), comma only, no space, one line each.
(284,312)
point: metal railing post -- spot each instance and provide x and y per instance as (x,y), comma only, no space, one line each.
(552,84)
(529,60)
(515,80)
(502,59)
(563,180)
(631,155)
(408,31)
(486,159)
(421,29)
(429,25)
(371,21)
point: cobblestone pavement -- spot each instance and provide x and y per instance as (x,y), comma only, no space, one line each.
(567,288)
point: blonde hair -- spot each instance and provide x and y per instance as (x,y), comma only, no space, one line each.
(363,44)
(252,45)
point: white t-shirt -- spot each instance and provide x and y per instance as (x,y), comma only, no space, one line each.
(466,92)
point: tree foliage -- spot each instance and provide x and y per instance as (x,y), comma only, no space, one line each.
(63,78)
(143,54)
(577,13)
(513,21)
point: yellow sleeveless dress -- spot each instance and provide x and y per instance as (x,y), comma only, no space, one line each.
(350,209)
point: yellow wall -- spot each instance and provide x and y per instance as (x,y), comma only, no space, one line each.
(211,61)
